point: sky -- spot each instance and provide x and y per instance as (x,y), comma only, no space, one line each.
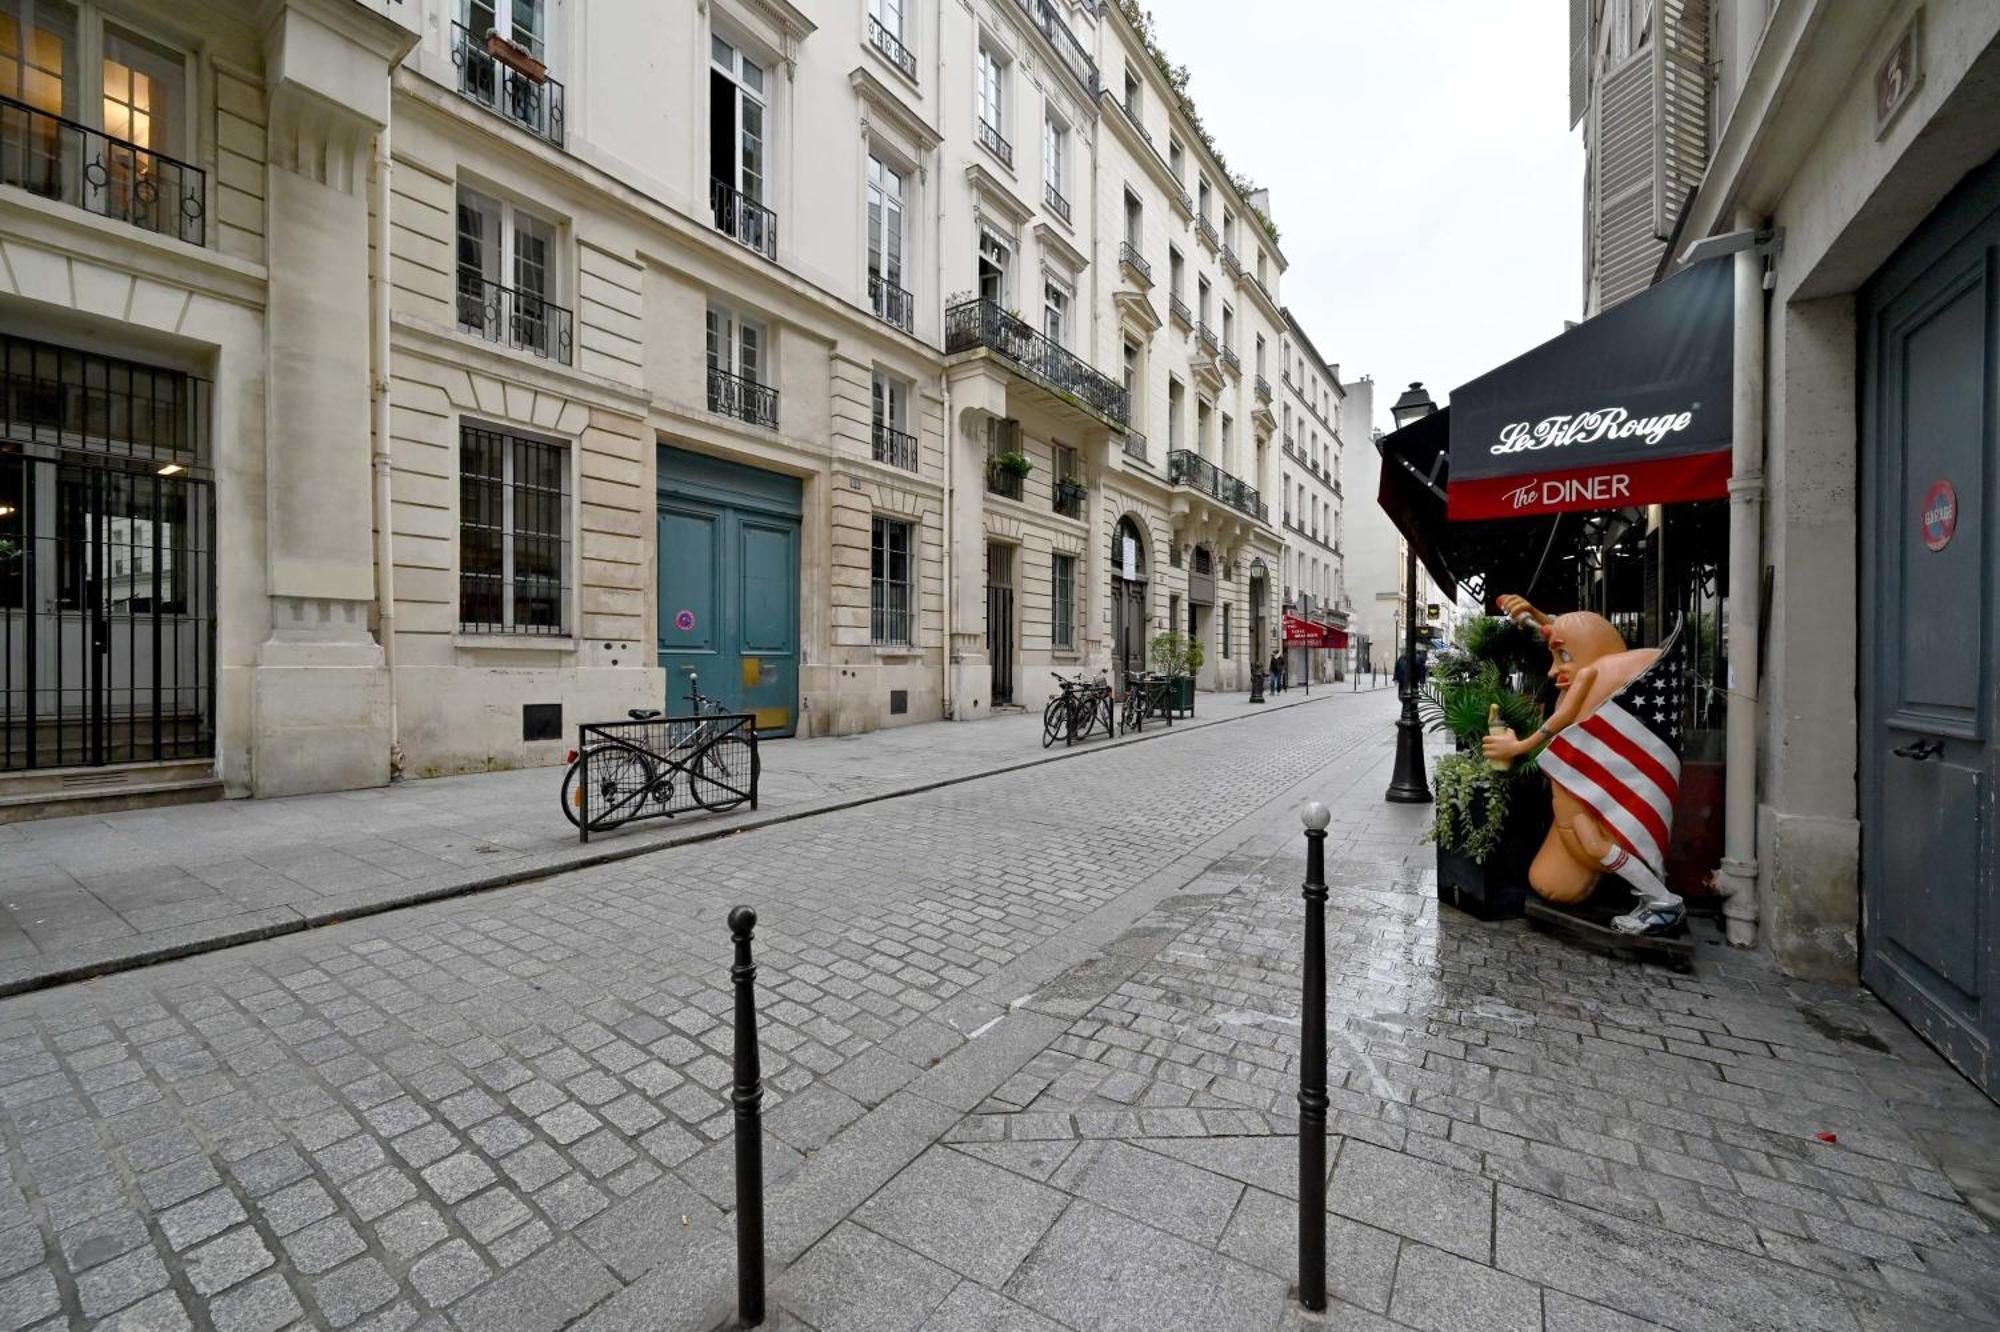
(1427,187)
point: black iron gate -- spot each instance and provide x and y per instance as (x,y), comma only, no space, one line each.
(106,614)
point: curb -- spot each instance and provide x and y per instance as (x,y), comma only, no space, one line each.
(173,952)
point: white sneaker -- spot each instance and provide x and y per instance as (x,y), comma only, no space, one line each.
(1652,917)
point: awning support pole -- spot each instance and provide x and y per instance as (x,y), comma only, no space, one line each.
(1738,874)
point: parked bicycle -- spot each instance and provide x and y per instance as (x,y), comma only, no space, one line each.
(1082,706)
(703,760)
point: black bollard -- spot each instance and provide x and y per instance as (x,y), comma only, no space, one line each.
(748,1098)
(1312,1070)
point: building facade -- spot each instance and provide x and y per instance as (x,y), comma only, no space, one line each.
(1846,155)
(1311,495)
(396,383)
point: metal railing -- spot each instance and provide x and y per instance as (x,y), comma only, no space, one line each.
(661,767)
(895,448)
(892,304)
(1135,445)
(1055,199)
(85,168)
(743,398)
(1190,469)
(513,318)
(1231,362)
(1128,254)
(1069,498)
(1186,201)
(984,324)
(1178,308)
(1230,263)
(1263,389)
(1206,229)
(1207,337)
(1068,49)
(743,219)
(535,104)
(890,45)
(1000,481)
(994,142)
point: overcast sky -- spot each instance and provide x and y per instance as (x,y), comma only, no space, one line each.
(1425,182)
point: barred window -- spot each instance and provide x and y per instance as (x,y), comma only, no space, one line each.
(513,533)
(890,592)
(1225,630)
(1062,601)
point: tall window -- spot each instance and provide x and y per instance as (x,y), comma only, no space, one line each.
(1055,163)
(1135,217)
(1228,228)
(1177,159)
(1055,311)
(737,368)
(738,92)
(1062,601)
(992,91)
(521,22)
(894,444)
(1176,266)
(889,14)
(1176,408)
(1228,327)
(1228,454)
(890,583)
(1133,394)
(1201,200)
(1132,93)
(885,243)
(995,259)
(1260,356)
(506,276)
(1201,299)
(513,533)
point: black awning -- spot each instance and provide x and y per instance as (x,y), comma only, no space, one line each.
(1629,408)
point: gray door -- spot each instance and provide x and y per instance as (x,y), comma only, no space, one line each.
(1931,376)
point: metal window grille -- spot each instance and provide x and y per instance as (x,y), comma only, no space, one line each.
(1062,600)
(890,583)
(70,399)
(513,534)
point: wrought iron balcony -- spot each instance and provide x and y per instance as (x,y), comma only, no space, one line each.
(892,304)
(890,45)
(994,142)
(1057,204)
(1068,49)
(1263,389)
(1069,498)
(1190,469)
(1231,362)
(534,101)
(74,164)
(1230,263)
(1135,445)
(1207,337)
(518,319)
(1206,229)
(1001,482)
(1186,202)
(743,219)
(743,398)
(975,324)
(1128,255)
(895,448)
(1178,308)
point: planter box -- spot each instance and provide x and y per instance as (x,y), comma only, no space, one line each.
(516,59)
(1498,889)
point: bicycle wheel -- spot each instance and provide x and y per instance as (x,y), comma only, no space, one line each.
(1106,717)
(620,779)
(719,774)
(1132,713)
(1054,717)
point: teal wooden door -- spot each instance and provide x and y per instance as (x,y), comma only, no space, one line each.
(728,558)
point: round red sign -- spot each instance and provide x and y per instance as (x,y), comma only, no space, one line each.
(1939,518)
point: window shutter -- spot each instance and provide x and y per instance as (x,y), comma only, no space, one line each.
(1681,98)
(1579,58)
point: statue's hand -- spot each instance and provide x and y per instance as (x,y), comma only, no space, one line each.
(1501,745)
(1516,607)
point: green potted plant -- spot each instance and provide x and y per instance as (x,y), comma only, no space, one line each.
(1178,658)
(1013,463)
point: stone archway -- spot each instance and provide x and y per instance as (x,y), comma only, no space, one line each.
(1131,568)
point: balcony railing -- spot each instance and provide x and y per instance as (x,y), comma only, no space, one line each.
(85,168)
(890,45)
(892,304)
(1057,204)
(1135,445)
(1190,469)
(1069,498)
(518,319)
(743,398)
(1263,389)
(1178,308)
(1207,337)
(743,219)
(1206,229)
(1001,482)
(534,103)
(895,448)
(1230,263)
(994,142)
(1186,201)
(1068,49)
(1231,362)
(1128,255)
(983,324)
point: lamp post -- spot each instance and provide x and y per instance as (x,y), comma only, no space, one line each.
(1408,786)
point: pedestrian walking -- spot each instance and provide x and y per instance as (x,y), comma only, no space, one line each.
(1277,672)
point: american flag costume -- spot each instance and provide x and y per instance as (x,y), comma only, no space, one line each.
(1623,762)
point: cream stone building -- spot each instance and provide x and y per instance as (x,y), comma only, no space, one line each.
(1311,498)
(393,384)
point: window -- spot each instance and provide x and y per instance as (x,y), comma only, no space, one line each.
(1133,395)
(737,355)
(1201,201)
(513,533)
(1260,268)
(1203,414)
(894,444)
(1201,299)
(1177,159)
(1226,608)
(888,32)
(885,244)
(1176,265)
(1260,356)
(1062,602)
(1228,454)
(994,261)
(507,277)
(890,583)
(1055,165)
(521,22)
(738,88)
(1132,93)
(1228,228)
(1228,326)
(992,91)
(1055,310)
(1176,407)
(1288,504)
(1135,217)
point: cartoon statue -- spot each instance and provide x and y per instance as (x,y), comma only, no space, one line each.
(1613,760)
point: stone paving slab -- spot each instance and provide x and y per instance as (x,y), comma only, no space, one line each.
(89,894)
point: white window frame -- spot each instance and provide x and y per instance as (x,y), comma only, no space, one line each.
(894,17)
(747,94)
(883,173)
(83,82)
(993,245)
(509,222)
(1055,154)
(1063,602)
(744,342)
(990,89)
(563,633)
(1058,300)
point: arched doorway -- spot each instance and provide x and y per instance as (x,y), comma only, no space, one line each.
(1128,600)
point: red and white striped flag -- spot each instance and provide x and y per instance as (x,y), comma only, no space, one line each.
(1623,762)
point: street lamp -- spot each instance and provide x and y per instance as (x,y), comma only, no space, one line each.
(1408,786)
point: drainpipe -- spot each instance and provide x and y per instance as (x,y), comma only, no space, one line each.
(1738,874)
(378,375)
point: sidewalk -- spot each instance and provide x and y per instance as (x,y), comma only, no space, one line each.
(80,896)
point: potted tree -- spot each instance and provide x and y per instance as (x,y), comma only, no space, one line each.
(1177,658)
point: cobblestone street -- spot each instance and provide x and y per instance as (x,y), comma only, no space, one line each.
(1031,1047)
